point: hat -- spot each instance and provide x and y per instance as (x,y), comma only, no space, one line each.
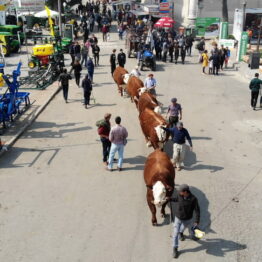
(107,115)
(150,75)
(173,100)
(179,124)
(183,187)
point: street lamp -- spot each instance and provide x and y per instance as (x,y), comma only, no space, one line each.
(259,34)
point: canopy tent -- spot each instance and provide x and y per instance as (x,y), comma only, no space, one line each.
(43,14)
(165,22)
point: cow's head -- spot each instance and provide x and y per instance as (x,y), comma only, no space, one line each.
(161,133)
(159,193)
(126,78)
(158,109)
(142,90)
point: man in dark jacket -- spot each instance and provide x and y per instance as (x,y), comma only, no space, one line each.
(96,51)
(104,128)
(64,80)
(179,136)
(121,58)
(113,61)
(185,205)
(254,86)
(87,86)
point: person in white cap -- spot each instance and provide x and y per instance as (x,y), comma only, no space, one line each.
(150,84)
(135,72)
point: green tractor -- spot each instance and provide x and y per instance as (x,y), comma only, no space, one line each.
(14,30)
(9,42)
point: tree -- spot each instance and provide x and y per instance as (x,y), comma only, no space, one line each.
(224,10)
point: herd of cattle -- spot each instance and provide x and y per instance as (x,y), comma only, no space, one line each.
(159,173)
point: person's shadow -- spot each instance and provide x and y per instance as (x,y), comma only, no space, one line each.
(216,247)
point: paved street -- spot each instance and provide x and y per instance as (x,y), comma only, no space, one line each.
(58,203)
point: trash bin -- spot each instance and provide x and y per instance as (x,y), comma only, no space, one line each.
(254,59)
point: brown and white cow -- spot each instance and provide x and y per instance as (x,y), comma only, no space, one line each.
(159,176)
(151,123)
(147,100)
(118,77)
(133,86)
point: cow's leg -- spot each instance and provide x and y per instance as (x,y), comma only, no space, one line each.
(163,212)
(152,207)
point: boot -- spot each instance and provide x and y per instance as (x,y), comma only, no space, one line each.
(175,252)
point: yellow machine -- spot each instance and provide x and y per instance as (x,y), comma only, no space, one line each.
(43,50)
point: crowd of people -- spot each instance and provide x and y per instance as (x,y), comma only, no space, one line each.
(167,45)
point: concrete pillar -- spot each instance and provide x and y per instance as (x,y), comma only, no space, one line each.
(192,11)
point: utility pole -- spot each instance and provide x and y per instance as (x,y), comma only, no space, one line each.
(244,15)
(60,18)
(259,34)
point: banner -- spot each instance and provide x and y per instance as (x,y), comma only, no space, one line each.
(223,30)
(164,8)
(28,5)
(207,26)
(242,46)
(50,21)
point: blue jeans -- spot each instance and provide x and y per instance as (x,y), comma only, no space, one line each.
(120,150)
(179,227)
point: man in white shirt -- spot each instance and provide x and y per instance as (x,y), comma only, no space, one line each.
(150,84)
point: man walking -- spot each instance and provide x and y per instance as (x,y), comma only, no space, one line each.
(113,61)
(96,51)
(87,87)
(179,135)
(104,127)
(185,205)
(64,79)
(175,112)
(117,137)
(254,86)
(121,58)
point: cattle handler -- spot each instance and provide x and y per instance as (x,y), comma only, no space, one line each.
(179,135)
(185,206)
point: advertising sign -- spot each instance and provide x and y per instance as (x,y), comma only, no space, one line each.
(164,8)
(227,43)
(242,47)
(207,26)
(223,30)
(29,5)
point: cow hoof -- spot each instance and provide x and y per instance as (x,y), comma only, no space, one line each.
(154,224)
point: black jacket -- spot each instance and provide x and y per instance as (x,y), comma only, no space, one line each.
(184,208)
(96,50)
(87,85)
(121,58)
(64,79)
(113,59)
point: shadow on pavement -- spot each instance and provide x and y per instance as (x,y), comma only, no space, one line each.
(216,247)
(137,163)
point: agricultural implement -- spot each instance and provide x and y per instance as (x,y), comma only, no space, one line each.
(12,102)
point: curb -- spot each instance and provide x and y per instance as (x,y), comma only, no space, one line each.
(11,141)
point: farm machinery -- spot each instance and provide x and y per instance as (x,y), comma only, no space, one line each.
(12,101)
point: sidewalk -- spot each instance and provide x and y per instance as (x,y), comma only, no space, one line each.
(39,100)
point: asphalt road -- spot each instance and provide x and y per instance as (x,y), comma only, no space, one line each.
(58,203)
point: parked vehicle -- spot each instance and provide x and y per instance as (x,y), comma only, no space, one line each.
(14,30)
(9,42)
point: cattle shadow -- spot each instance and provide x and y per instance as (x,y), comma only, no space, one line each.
(216,247)
(137,163)
(166,220)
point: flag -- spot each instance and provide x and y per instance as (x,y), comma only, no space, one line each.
(51,23)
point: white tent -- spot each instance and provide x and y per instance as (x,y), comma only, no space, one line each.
(43,14)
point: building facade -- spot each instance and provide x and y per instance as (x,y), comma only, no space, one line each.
(185,11)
